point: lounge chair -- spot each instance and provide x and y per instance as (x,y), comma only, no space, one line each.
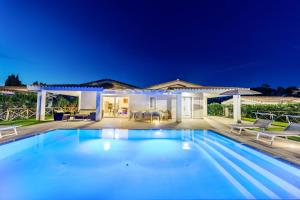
(7,128)
(259,123)
(293,129)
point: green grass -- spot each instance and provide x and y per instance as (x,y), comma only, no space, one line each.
(249,119)
(282,124)
(295,138)
(276,126)
(23,122)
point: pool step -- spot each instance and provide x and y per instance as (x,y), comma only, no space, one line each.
(244,177)
(226,173)
(254,174)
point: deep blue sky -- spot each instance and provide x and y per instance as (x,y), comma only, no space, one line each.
(224,43)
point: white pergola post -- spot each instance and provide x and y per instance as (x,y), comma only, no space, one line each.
(41,105)
(178,107)
(98,106)
(237,108)
(79,101)
(204,105)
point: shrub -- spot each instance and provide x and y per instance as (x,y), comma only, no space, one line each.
(248,111)
(215,109)
(278,110)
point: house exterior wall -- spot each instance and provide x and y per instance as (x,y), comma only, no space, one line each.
(141,102)
(87,100)
(138,102)
(197,104)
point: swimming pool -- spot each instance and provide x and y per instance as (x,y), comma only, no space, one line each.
(141,164)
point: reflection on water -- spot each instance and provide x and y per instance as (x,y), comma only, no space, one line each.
(186,136)
(145,134)
(106,146)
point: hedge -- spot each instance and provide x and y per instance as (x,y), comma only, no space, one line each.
(216,109)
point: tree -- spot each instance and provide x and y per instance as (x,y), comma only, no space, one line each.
(38,83)
(265,90)
(280,91)
(13,80)
(290,91)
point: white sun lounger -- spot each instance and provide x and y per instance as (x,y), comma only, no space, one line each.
(259,123)
(293,129)
(6,128)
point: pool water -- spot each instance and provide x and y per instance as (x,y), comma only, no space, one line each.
(141,164)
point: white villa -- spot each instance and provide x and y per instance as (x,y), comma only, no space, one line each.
(110,98)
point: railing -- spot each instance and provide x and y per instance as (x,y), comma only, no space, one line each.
(280,116)
(288,115)
(27,113)
(17,113)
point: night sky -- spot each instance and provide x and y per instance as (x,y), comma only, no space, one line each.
(216,43)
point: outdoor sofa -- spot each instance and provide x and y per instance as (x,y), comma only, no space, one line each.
(85,114)
(60,115)
(81,114)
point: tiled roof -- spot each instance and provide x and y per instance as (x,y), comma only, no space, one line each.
(110,84)
(209,88)
(103,83)
(178,85)
(13,89)
(64,87)
(173,84)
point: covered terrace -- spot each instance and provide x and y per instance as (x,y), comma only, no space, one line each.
(91,97)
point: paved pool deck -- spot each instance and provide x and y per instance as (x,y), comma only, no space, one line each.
(283,149)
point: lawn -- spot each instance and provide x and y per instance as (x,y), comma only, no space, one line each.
(276,126)
(282,124)
(23,122)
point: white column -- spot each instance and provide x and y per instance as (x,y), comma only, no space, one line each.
(237,108)
(178,107)
(41,105)
(98,106)
(79,101)
(204,105)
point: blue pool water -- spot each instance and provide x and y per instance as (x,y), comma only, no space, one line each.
(141,164)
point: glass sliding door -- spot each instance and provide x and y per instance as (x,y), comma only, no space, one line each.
(121,105)
(115,106)
(108,106)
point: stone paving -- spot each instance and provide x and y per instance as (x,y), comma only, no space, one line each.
(281,148)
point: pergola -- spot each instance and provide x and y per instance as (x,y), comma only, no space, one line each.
(64,90)
(237,101)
